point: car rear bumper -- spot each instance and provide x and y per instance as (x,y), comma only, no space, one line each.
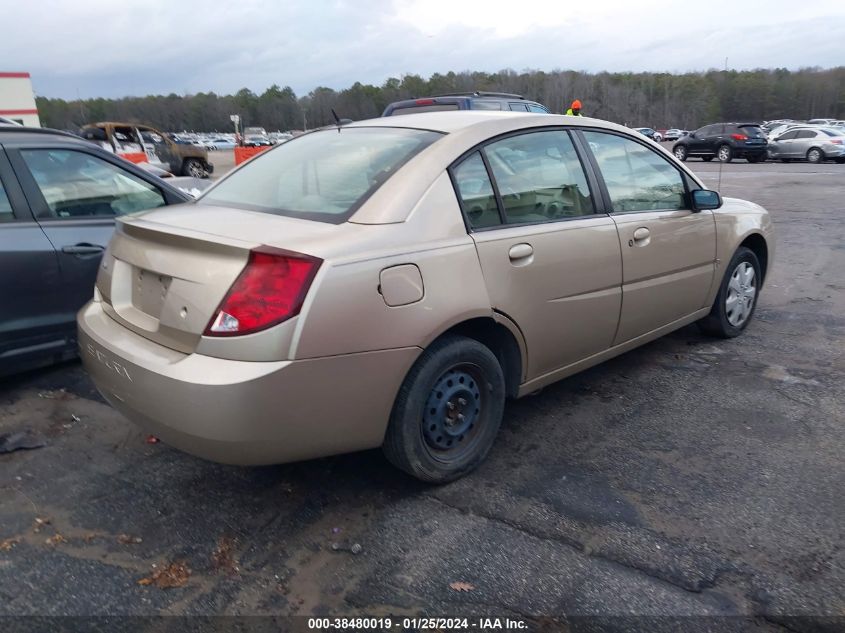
(238,412)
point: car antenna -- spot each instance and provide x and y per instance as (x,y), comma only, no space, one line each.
(336,119)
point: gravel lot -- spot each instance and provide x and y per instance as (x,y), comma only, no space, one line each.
(689,477)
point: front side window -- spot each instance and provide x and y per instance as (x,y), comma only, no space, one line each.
(324,176)
(637,177)
(76,184)
(539,177)
(537,108)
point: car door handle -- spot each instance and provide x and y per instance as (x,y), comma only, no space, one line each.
(521,253)
(83,249)
(642,236)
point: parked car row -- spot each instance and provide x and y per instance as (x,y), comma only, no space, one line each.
(785,142)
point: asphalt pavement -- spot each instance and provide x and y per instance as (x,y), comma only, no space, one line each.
(690,477)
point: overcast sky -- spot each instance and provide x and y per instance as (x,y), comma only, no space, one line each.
(113,48)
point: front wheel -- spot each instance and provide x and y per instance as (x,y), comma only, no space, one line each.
(447,412)
(725,153)
(737,297)
(680,152)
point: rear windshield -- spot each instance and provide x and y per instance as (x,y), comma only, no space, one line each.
(830,132)
(751,131)
(324,176)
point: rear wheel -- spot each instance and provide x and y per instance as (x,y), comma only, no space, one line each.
(447,412)
(680,152)
(815,155)
(194,167)
(755,158)
(737,297)
(725,153)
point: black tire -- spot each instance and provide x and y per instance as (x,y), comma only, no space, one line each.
(717,323)
(840,160)
(724,153)
(815,155)
(755,158)
(428,435)
(194,167)
(706,159)
(680,152)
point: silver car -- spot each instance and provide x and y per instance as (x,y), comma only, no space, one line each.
(814,144)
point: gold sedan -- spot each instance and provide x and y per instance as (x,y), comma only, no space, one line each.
(391,282)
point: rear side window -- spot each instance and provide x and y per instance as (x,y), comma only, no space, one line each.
(637,177)
(434,107)
(518,107)
(324,175)
(6,214)
(539,177)
(486,105)
(537,108)
(806,134)
(476,192)
(77,184)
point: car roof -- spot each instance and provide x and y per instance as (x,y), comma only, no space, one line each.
(452,121)
(25,134)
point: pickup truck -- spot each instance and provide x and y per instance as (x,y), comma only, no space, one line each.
(142,143)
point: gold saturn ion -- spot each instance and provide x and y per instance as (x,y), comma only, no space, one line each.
(391,282)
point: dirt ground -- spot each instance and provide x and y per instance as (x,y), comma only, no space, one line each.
(690,477)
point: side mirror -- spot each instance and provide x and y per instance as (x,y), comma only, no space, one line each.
(705,199)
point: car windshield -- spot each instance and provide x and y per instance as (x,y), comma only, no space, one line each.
(324,175)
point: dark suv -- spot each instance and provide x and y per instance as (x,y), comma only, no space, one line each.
(466,101)
(724,141)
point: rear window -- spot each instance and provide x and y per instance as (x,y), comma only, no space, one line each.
(833,132)
(434,107)
(751,131)
(324,176)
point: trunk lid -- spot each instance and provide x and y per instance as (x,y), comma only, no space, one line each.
(165,272)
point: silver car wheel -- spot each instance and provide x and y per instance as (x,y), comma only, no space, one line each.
(742,292)
(724,153)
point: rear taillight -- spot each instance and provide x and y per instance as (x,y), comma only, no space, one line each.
(424,101)
(836,141)
(269,290)
(739,137)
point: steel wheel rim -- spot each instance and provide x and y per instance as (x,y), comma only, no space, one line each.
(742,292)
(195,170)
(453,411)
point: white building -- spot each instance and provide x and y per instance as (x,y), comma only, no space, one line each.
(17,100)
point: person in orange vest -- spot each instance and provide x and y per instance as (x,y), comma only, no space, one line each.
(575,108)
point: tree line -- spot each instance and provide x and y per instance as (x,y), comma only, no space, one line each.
(657,100)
